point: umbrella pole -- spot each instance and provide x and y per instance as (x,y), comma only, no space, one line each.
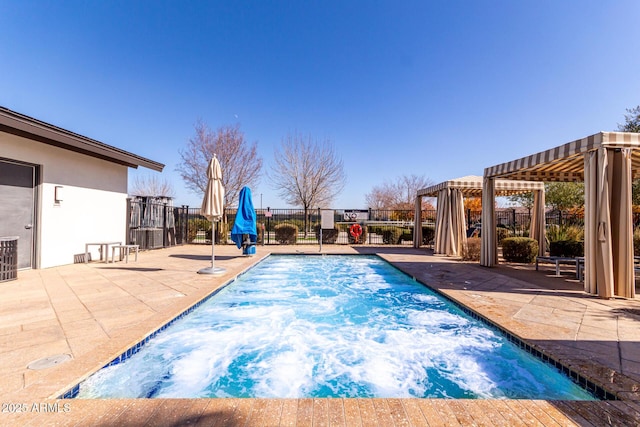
(212,269)
(213,244)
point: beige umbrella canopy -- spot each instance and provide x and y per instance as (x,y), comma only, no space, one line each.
(212,207)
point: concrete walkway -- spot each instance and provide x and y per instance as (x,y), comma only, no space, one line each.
(94,312)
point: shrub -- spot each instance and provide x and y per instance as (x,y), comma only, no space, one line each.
(286,234)
(329,235)
(373,229)
(502,233)
(566,248)
(472,251)
(519,249)
(221,232)
(197,224)
(391,235)
(428,234)
(260,227)
(636,242)
(565,232)
(297,222)
(406,236)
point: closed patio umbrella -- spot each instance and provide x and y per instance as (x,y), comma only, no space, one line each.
(212,208)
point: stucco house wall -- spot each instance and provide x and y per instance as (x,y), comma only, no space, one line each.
(94,193)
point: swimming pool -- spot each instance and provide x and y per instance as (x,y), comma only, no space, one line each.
(329,326)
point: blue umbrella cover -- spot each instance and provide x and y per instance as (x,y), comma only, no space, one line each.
(244,232)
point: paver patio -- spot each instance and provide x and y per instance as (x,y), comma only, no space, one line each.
(93,312)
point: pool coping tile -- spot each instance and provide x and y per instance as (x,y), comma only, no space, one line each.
(493,294)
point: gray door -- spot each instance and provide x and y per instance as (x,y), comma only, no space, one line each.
(17,207)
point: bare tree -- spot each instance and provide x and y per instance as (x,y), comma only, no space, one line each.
(399,194)
(239,160)
(380,197)
(307,172)
(151,185)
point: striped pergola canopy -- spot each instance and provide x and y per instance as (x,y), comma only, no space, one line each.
(471,186)
(450,233)
(606,162)
(565,162)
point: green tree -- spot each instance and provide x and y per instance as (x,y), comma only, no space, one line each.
(567,195)
(632,124)
(558,195)
(632,120)
(523,199)
(564,195)
(635,192)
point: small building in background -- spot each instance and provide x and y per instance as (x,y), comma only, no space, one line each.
(60,190)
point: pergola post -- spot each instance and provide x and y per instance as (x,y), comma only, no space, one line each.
(417,223)
(442,220)
(489,244)
(538,221)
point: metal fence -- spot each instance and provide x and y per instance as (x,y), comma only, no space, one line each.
(153,223)
(377,226)
(287,226)
(156,223)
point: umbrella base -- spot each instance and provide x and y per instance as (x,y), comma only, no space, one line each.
(212,270)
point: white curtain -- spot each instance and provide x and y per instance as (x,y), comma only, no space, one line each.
(458,224)
(608,224)
(489,243)
(451,235)
(590,220)
(622,223)
(443,230)
(538,221)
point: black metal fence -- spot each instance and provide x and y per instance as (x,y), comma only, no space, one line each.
(376,226)
(156,223)
(281,226)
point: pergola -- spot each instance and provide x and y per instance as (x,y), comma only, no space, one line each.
(450,236)
(606,163)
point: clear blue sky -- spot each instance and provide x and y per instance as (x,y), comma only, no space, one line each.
(437,88)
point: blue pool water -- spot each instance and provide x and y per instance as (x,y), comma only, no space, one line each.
(329,326)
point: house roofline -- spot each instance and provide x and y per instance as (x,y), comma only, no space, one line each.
(28,127)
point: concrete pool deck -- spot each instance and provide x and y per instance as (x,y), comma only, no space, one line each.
(95,311)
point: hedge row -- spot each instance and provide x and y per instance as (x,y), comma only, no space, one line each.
(520,249)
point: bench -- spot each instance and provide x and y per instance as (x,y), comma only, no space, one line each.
(557,260)
(580,267)
(104,250)
(124,250)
